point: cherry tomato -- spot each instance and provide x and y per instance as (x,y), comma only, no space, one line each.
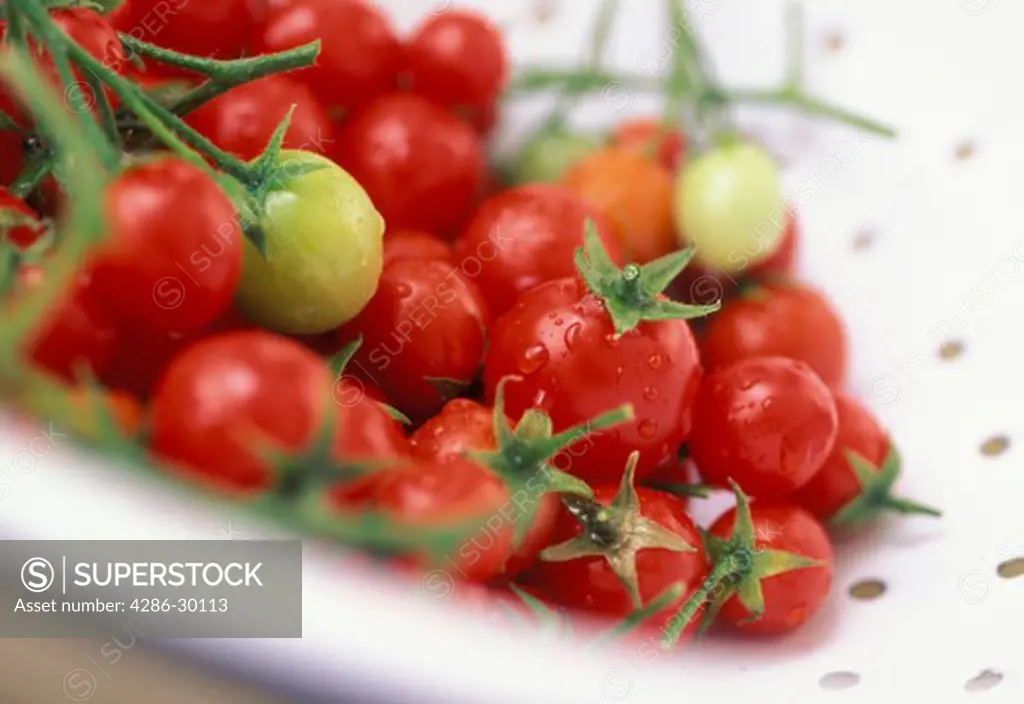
(324,242)
(549,154)
(19,224)
(243,120)
(646,530)
(78,334)
(767,423)
(649,137)
(421,166)
(357,65)
(790,598)
(173,256)
(561,339)
(457,58)
(91,31)
(465,426)
(783,262)
(424,334)
(634,193)
(779,320)
(228,399)
(216,29)
(483,119)
(12,154)
(525,236)
(728,204)
(422,493)
(413,244)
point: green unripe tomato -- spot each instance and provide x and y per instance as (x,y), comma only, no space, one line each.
(728,205)
(549,154)
(324,244)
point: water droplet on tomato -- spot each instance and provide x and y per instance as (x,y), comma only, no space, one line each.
(648,428)
(439,430)
(654,361)
(611,340)
(651,393)
(572,334)
(533,358)
(766,404)
(619,371)
(403,290)
(540,399)
(559,322)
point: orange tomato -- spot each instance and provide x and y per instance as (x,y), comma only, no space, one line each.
(635,193)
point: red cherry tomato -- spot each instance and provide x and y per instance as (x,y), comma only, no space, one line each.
(77,335)
(767,423)
(589,584)
(360,55)
(465,426)
(413,244)
(421,166)
(19,224)
(560,338)
(421,493)
(173,257)
(91,31)
(649,136)
(779,320)
(790,598)
(424,329)
(243,120)
(216,29)
(836,485)
(457,58)
(783,262)
(526,236)
(223,397)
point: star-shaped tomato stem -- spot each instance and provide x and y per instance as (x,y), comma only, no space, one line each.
(633,294)
(339,362)
(523,455)
(876,491)
(739,568)
(617,533)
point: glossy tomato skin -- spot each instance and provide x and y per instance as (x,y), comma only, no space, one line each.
(588,584)
(560,339)
(223,396)
(426,321)
(18,222)
(415,244)
(779,320)
(351,69)
(422,493)
(216,29)
(782,264)
(635,193)
(790,598)
(457,58)
(421,166)
(836,485)
(649,137)
(243,120)
(528,235)
(77,332)
(768,423)
(173,254)
(465,426)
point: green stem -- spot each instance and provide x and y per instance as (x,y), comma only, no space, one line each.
(107,118)
(794,45)
(723,570)
(15,29)
(812,106)
(908,507)
(31,176)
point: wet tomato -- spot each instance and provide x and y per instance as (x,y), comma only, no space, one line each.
(779,320)
(226,402)
(421,165)
(424,333)
(243,120)
(414,244)
(525,236)
(767,423)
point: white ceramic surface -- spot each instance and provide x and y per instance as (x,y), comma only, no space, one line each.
(943,265)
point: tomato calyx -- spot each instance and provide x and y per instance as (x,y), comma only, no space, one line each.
(340,360)
(739,568)
(523,454)
(876,487)
(633,294)
(684,491)
(617,532)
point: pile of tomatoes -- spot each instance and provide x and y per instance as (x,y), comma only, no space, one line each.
(550,361)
